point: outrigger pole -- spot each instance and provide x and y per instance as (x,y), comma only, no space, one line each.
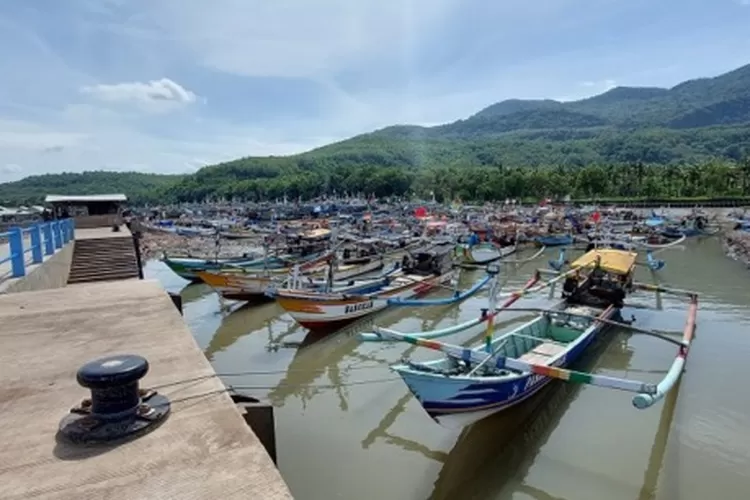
(572,376)
(645,400)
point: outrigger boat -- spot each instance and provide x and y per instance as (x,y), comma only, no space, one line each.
(189,267)
(480,254)
(419,274)
(243,284)
(553,240)
(469,384)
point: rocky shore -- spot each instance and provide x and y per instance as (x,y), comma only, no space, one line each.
(155,244)
(737,246)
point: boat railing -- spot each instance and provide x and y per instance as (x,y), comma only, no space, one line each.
(29,246)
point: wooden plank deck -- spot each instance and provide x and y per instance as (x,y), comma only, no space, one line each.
(203,451)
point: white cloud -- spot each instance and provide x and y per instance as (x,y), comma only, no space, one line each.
(89,90)
(156,95)
(289,38)
(10,169)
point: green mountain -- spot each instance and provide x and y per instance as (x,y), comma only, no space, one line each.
(689,140)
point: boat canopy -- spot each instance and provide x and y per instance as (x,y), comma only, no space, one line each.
(612,260)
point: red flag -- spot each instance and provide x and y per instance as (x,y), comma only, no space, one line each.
(596,216)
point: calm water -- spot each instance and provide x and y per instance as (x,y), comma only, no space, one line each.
(347,429)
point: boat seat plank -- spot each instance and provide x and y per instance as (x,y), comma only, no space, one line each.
(548,349)
(534,358)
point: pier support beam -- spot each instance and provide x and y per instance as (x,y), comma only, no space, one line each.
(176,300)
(259,416)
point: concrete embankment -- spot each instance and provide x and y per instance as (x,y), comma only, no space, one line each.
(737,246)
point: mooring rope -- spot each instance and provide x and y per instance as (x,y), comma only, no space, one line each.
(235,388)
(251,373)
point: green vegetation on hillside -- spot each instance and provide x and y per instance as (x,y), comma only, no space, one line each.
(139,187)
(691,140)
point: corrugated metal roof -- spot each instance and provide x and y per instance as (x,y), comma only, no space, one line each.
(56,198)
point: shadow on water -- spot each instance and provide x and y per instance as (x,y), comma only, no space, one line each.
(489,455)
(194,292)
(322,355)
(245,319)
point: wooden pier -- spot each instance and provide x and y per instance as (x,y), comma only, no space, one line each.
(203,451)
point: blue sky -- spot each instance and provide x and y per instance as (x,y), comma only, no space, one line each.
(171,85)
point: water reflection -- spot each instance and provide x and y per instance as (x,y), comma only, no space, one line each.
(488,454)
(194,292)
(546,448)
(243,321)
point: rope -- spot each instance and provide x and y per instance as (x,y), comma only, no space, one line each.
(234,388)
(248,373)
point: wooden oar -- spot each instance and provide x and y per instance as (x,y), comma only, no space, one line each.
(650,333)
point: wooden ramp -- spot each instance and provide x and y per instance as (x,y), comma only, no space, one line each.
(203,451)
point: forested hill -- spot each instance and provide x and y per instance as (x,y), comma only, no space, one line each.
(139,187)
(705,102)
(699,130)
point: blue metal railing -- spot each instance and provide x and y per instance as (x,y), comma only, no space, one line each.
(44,239)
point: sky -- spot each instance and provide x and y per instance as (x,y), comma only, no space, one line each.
(167,86)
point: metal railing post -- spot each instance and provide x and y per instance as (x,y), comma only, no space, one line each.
(15,242)
(36,244)
(49,242)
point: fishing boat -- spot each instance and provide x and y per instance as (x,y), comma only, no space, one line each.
(255,285)
(421,272)
(470,384)
(237,234)
(189,267)
(553,240)
(481,253)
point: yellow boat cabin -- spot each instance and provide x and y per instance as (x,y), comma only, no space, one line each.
(613,261)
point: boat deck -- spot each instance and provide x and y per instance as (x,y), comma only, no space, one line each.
(203,451)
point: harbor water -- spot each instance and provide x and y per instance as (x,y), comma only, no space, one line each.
(347,428)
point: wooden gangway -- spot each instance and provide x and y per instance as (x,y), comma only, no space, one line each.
(204,450)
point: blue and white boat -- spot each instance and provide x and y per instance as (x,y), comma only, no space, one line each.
(554,240)
(457,391)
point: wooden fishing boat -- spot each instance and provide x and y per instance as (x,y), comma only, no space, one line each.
(189,267)
(482,253)
(421,273)
(470,384)
(242,284)
(238,235)
(553,240)
(456,392)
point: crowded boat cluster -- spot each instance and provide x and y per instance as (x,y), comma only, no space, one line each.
(329,267)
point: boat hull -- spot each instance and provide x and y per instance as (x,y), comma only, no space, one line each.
(239,285)
(483,253)
(554,240)
(188,268)
(325,312)
(458,401)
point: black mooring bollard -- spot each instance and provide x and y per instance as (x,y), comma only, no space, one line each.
(118,408)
